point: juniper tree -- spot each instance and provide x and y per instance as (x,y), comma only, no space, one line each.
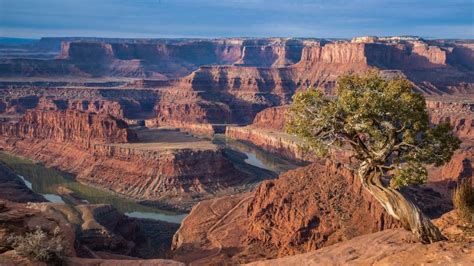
(385,126)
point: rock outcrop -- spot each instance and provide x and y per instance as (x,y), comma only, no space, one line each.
(275,142)
(165,166)
(272,118)
(77,127)
(312,207)
(390,247)
(304,209)
(87,231)
(393,247)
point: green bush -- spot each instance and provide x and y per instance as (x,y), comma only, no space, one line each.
(38,245)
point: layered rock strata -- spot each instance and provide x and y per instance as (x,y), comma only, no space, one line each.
(81,128)
(275,142)
(304,209)
(233,79)
(312,207)
(97,150)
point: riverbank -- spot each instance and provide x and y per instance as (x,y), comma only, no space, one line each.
(49,181)
(58,186)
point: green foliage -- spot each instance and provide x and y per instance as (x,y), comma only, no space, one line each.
(383,122)
(463,200)
(412,173)
(39,246)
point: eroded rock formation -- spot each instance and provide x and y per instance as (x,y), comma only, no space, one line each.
(97,149)
(69,126)
(312,207)
(87,231)
(304,209)
(272,118)
(275,142)
(230,80)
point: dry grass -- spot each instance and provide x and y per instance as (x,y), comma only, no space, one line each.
(463,200)
(39,246)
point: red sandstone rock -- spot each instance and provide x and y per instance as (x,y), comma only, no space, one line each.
(272,118)
(105,107)
(69,126)
(256,73)
(95,148)
(304,209)
(459,115)
(312,207)
(274,142)
(390,247)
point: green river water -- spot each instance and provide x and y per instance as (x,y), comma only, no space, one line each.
(45,181)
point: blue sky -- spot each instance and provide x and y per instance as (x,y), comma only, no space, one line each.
(231,18)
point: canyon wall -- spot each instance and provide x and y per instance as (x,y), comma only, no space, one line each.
(158,59)
(272,118)
(248,90)
(259,63)
(81,128)
(302,210)
(231,80)
(312,207)
(103,151)
(119,103)
(278,143)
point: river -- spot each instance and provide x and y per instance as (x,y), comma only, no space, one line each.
(46,181)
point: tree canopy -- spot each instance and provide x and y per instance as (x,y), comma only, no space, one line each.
(383,122)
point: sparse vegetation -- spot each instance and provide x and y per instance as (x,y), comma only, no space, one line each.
(39,246)
(463,200)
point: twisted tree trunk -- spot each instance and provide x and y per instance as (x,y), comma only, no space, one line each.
(398,206)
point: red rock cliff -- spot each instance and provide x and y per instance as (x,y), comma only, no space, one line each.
(69,126)
(460,115)
(311,207)
(271,118)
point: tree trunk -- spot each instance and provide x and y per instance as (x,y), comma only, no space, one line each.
(399,207)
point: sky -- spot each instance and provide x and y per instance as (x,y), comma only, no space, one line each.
(236,18)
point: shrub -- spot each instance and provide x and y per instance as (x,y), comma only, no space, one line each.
(463,200)
(38,245)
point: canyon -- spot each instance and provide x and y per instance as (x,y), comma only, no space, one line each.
(150,165)
(223,80)
(87,230)
(152,121)
(306,209)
